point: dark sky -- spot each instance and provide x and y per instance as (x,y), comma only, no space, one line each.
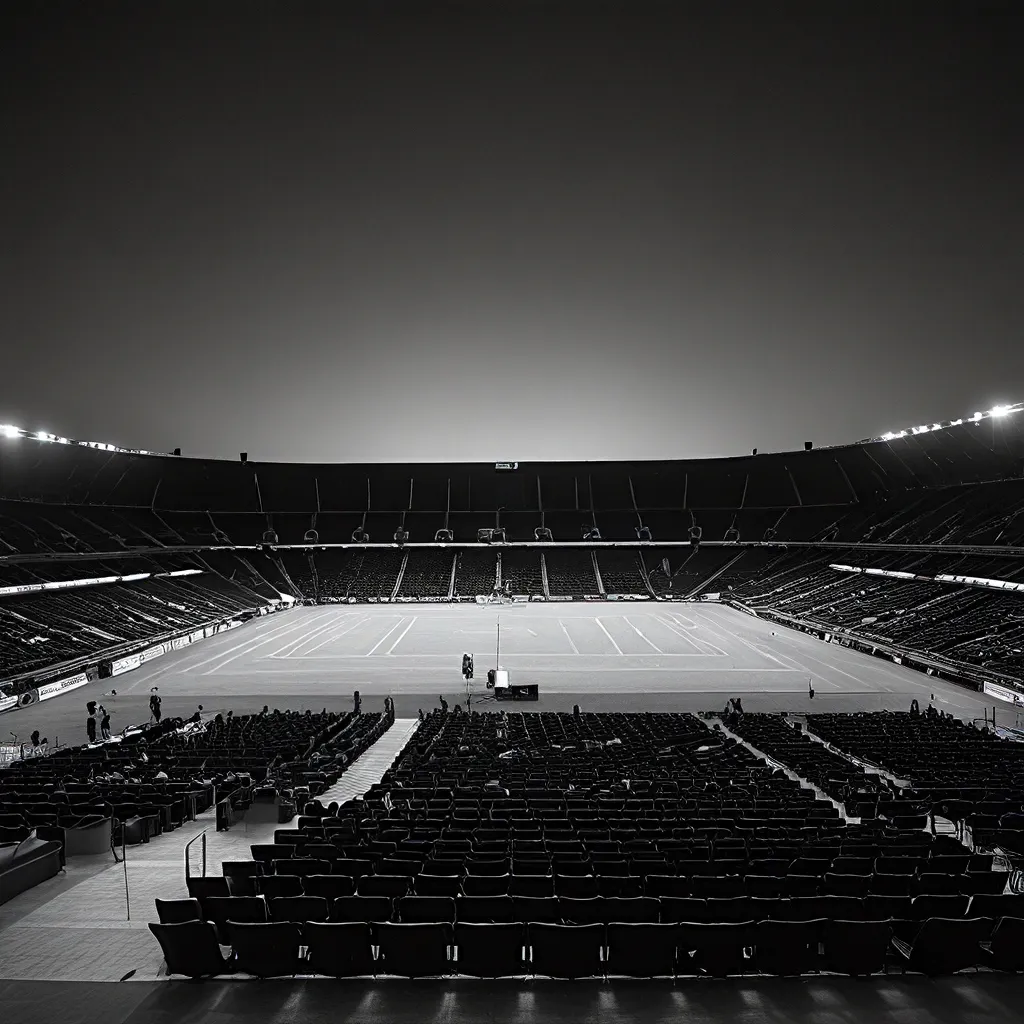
(349,232)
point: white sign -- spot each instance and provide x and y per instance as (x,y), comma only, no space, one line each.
(1004,693)
(48,690)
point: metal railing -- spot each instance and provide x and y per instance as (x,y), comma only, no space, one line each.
(188,869)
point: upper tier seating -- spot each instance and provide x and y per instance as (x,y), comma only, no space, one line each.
(47,628)
(570,571)
(476,572)
(621,571)
(428,573)
(521,568)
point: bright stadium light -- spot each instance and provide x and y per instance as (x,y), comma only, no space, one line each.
(955,423)
(9,431)
(977,416)
(999,410)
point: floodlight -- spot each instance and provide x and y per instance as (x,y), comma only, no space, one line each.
(977,416)
(43,435)
(936,426)
(955,423)
(9,431)
(888,436)
(999,410)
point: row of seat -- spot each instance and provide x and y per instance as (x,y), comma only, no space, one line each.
(615,883)
(643,950)
(571,910)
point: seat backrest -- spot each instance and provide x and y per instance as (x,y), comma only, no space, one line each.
(924,907)
(425,909)
(190,948)
(299,908)
(177,911)
(362,908)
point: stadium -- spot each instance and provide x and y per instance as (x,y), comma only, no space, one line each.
(515,727)
(511,511)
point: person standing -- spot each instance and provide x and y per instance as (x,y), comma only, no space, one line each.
(154,707)
(90,722)
(104,723)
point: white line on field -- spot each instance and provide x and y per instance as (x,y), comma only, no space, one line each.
(606,633)
(402,634)
(575,649)
(401,619)
(639,634)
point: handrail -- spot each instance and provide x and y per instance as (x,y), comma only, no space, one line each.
(188,871)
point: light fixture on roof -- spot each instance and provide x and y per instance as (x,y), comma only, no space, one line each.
(999,410)
(977,416)
(9,431)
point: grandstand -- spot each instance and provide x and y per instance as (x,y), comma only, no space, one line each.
(628,825)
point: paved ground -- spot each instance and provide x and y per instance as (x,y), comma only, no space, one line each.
(664,657)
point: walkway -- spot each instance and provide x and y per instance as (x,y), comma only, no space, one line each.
(370,768)
(77,926)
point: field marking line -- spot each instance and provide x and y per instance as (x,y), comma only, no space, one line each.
(600,624)
(294,645)
(334,635)
(700,641)
(412,622)
(764,654)
(575,649)
(401,619)
(675,627)
(274,634)
(639,634)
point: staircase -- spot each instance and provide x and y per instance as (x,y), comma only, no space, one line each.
(368,769)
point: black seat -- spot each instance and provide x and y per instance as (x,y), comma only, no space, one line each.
(384,885)
(361,909)
(856,947)
(177,911)
(414,950)
(944,947)
(641,950)
(566,951)
(787,947)
(328,887)
(1006,952)
(426,909)
(223,909)
(526,909)
(490,950)
(191,948)
(267,950)
(339,950)
(715,949)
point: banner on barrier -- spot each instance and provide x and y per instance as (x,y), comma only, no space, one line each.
(6,703)
(48,690)
(133,661)
(1004,693)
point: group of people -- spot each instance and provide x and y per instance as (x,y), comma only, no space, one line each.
(733,711)
(98,716)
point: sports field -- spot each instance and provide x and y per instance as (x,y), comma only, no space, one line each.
(607,657)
